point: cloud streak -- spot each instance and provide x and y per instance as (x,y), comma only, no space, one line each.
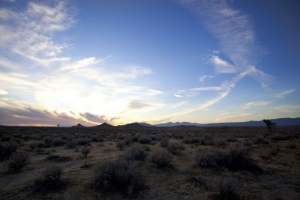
(283,94)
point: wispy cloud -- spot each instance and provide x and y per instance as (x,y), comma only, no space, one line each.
(230,117)
(35,25)
(88,89)
(221,66)
(202,78)
(283,94)
(288,108)
(179,93)
(236,34)
(181,103)
(152,92)
(3,92)
(255,104)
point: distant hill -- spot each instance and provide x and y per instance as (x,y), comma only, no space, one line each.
(145,124)
(78,126)
(134,125)
(171,124)
(104,125)
(279,122)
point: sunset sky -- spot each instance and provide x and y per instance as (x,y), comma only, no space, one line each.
(154,61)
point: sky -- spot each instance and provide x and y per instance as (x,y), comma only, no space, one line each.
(154,61)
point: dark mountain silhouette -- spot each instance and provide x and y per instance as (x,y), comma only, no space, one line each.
(279,122)
(145,124)
(78,126)
(134,125)
(104,125)
(171,124)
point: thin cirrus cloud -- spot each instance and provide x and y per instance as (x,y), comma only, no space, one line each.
(283,94)
(287,108)
(29,33)
(221,66)
(235,32)
(255,104)
(202,78)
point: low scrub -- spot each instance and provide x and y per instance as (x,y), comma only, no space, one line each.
(161,158)
(206,159)
(118,176)
(145,140)
(280,137)
(192,140)
(71,144)
(57,158)
(18,161)
(220,142)
(7,149)
(136,153)
(164,142)
(261,140)
(227,189)
(50,181)
(236,159)
(83,142)
(175,148)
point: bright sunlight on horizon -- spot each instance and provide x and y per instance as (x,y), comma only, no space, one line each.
(153,61)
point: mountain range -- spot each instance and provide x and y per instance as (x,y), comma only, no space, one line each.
(143,125)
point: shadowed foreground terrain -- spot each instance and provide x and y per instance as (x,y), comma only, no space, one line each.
(158,163)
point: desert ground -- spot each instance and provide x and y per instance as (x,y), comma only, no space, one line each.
(150,163)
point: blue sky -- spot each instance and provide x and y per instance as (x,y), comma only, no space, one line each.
(154,61)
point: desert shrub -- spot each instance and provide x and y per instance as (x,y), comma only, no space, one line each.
(227,189)
(238,159)
(71,144)
(41,144)
(6,149)
(48,140)
(124,141)
(261,140)
(83,142)
(291,146)
(50,181)
(53,173)
(32,146)
(219,142)
(119,177)
(178,136)
(161,158)
(128,140)
(58,142)
(97,139)
(279,137)
(208,142)
(197,181)
(175,148)
(145,140)
(164,142)
(136,153)
(159,137)
(206,159)
(57,158)
(121,144)
(247,143)
(85,151)
(192,140)
(18,161)
(231,139)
